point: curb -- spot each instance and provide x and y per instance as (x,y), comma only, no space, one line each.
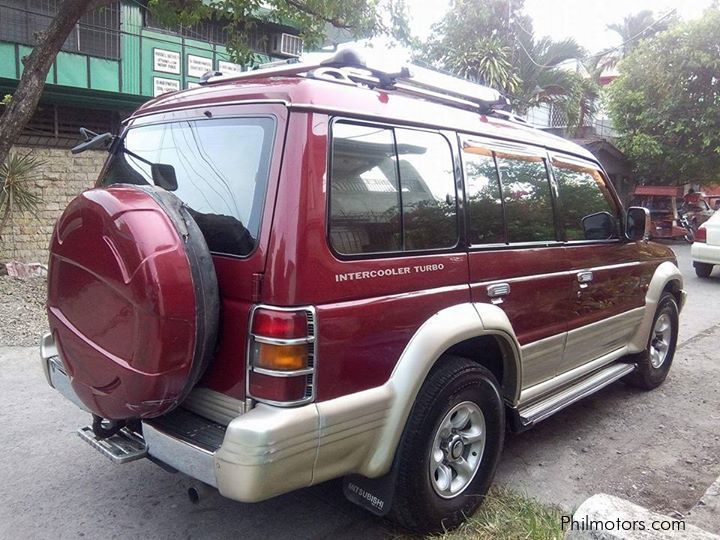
(706,513)
(604,517)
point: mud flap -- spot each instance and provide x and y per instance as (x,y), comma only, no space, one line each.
(373,494)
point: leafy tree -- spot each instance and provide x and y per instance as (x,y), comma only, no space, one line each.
(666,104)
(360,17)
(491,42)
(475,39)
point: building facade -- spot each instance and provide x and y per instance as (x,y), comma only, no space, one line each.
(117,57)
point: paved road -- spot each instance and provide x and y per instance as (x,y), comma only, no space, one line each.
(660,449)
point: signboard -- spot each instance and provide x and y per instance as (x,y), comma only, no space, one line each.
(166,61)
(163,86)
(197,66)
(229,67)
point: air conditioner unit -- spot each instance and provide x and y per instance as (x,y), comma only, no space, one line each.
(286,45)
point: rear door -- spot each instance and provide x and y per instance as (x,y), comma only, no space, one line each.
(516,259)
(608,280)
(225,161)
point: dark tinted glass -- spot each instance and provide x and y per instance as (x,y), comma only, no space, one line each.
(485,219)
(428,190)
(364,191)
(221,168)
(582,193)
(528,203)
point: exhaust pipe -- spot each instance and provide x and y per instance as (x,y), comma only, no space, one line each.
(197,492)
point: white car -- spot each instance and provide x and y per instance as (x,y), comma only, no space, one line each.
(706,247)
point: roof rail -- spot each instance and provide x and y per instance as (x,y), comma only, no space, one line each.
(349,66)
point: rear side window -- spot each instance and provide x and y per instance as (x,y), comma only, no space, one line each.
(527,197)
(220,169)
(391,190)
(484,201)
(583,193)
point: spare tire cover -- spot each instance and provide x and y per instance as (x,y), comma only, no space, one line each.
(133,300)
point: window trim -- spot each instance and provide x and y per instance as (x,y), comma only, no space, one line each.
(202,117)
(388,254)
(462,138)
(620,209)
(520,149)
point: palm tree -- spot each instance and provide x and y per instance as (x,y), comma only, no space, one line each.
(539,67)
(486,61)
(635,28)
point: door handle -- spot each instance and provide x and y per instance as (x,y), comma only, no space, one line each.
(584,278)
(497,290)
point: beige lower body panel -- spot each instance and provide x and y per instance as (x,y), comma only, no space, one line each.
(269,451)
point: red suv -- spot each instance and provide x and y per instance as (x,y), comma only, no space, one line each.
(319,271)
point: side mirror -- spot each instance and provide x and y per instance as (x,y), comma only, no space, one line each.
(637,224)
(163,175)
(599,226)
(93,141)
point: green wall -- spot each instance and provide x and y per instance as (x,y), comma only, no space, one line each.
(134,77)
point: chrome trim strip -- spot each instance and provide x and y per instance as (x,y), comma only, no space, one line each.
(283,341)
(181,455)
(554,403)
(277,373)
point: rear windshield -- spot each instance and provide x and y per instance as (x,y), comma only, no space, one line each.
(218,167)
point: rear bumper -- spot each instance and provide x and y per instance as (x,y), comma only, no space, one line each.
(266,451)
(705,253)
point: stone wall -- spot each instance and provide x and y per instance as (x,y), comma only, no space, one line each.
(59,180)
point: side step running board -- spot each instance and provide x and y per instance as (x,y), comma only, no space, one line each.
(541,410)
(122,447)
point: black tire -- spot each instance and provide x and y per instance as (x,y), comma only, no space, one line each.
(703,270)
(648,376)
(453,382)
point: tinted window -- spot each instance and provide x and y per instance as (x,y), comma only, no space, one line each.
(485,219)
(364,191)
(528,202)
(390,190)
(583,193)
(221,168)
(428,190)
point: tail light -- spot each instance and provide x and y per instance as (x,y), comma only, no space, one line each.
(281,356)
(701,235)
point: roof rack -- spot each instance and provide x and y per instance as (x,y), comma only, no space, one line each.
(348,67)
